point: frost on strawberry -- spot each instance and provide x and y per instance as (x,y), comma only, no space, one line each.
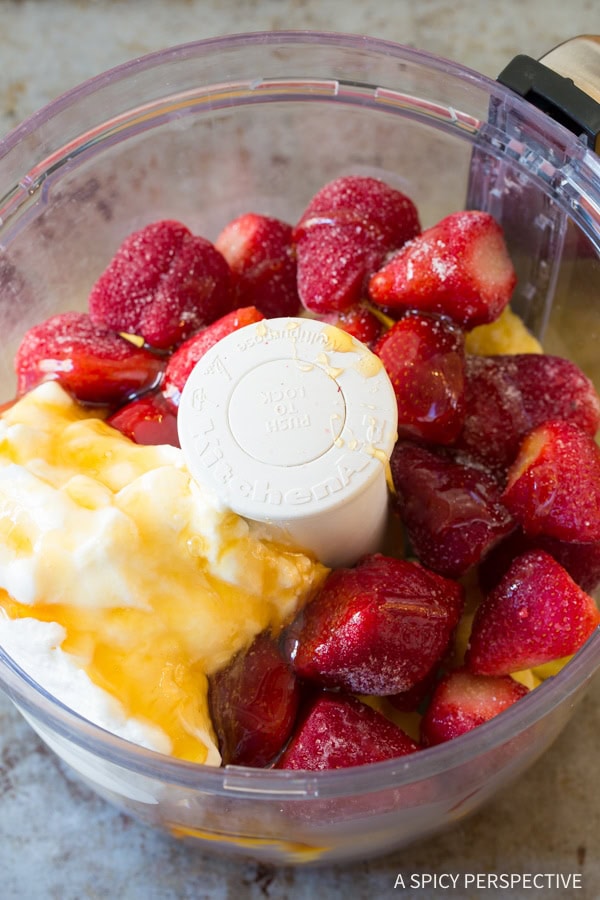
(459,267)
(463,701)
(338,731)
(581,560)
(164,283)
(509,395)
(554,484)
(378,628)
(344,235)
(535,615)
(262,260)
(91,362)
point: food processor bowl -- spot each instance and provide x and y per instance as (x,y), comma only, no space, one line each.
(259,122)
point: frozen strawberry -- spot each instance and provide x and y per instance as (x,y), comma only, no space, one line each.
(344,235)
(359,321)
(459,268)
(338,732)
(375,629)
(452,510)
(535,615)
(425,359)
(495,416)
(555,388)
(507,396)
(253,704)
(163,284)
(184,358)
(462,701)
(554,484)
(262,260)
(582,561)
(90,361)
(411,700)
(147,420)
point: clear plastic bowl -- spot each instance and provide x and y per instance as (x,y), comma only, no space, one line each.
(204,132)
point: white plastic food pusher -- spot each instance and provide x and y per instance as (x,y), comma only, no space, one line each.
(291,422)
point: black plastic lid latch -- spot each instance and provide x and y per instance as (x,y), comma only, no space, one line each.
(556,95)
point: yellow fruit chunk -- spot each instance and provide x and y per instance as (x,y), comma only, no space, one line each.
(507,334)
(527,677)
(551,668)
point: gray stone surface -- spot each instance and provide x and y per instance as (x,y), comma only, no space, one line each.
(57,840)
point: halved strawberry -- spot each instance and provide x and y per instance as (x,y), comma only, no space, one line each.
(253,704)
(338,732)
(90,361)
(262,260)
(535,615)
(507,396)
(344,235)
(378,628)
(163,284)
(452,510)
(554,484)
(463,701)
(459,268)
(425,359)
(147,420)
(184,358)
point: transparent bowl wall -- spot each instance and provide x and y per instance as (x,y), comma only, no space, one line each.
(259,122)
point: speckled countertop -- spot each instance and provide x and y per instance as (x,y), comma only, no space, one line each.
(57,839)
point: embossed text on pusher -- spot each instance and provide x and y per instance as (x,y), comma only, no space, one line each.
(297,335)
(343,471)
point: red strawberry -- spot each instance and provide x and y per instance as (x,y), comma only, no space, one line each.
(554,484)
(535,615)
(185,357)
(411,700)
(462,701)
(344,235)
(163,284)
(359,321)
(495,417)
(262,260)
(147,420)
(459,268)
(375,629)
(338,732)
(425,359)
(452,510)
(253,704)
(582,561)
(507,396)
(90,361)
